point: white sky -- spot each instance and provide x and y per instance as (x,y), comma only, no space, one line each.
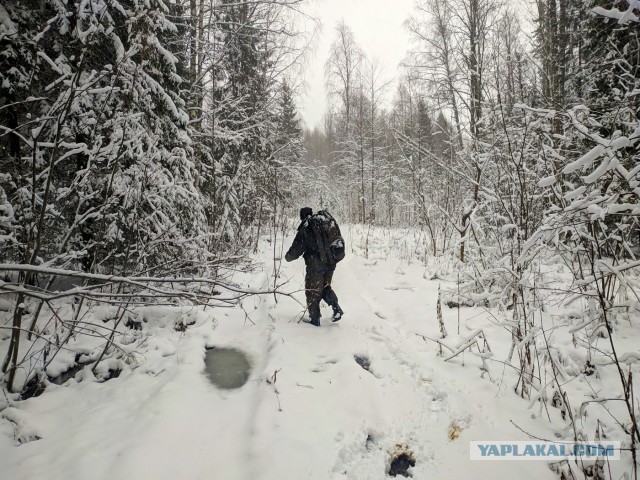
(378,28)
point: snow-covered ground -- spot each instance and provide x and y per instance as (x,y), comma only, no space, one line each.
(320,416)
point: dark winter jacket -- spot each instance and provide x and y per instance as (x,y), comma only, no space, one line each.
(305,244)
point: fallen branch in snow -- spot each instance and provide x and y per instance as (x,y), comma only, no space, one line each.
(465,343)
(272,381)
(442,344)
(483,353)
(140,282)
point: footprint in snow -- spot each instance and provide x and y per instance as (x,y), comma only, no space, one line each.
(322,367)
(395,288)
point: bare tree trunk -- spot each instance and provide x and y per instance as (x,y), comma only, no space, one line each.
(361,154)
(372,206)
(442,19)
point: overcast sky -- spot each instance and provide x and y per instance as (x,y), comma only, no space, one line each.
(378,28)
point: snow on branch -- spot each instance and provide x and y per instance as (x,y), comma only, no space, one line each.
(134,281)
(623,18)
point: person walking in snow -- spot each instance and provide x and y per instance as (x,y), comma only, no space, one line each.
(319,241)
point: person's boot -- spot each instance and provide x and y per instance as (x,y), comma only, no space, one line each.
(337,313)
(315,322)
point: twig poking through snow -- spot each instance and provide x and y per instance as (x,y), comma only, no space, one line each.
(272,381)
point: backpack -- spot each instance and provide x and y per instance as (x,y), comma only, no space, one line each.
(328,237)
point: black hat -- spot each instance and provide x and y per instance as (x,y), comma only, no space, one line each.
(305,212)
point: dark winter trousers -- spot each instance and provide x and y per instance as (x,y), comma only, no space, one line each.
(318,287)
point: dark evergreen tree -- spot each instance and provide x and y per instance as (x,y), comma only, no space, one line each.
(288,144)
(610,77)
(107,130)
(288,130)
(424,129)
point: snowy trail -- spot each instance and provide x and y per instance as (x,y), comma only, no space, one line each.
(340,421)
(325,417)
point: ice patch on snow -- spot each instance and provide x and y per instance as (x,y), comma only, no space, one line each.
(227,368)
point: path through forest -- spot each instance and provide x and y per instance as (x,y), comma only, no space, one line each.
(339,420)
(309,410)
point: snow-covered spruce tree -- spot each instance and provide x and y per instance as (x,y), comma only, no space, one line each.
(149,205)
(111,126)
(98,177)
(287,144)
(11,143)
(610,71)
(289,136)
